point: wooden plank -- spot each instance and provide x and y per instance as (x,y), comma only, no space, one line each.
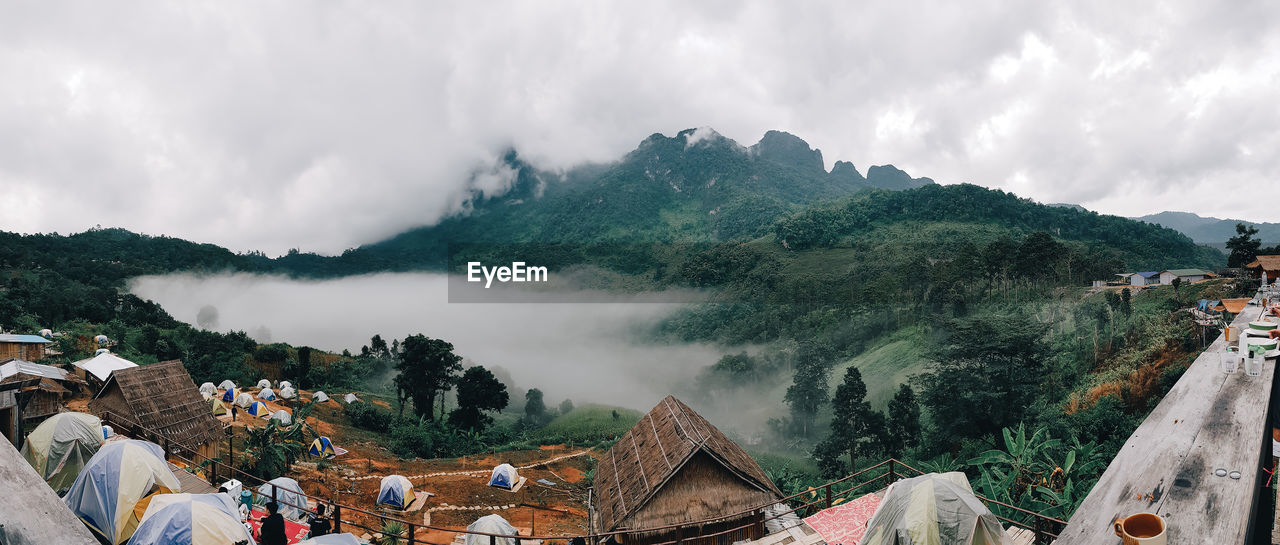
(1207,420)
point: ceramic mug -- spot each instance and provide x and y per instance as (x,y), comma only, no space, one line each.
(1141,529)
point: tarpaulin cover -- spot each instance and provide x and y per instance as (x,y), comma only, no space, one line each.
(208,388)
(288,494)
(933,509)
(492,524)
(60,446)
(227,385)
(190,519)
(395,491)
(267,394)
(332,539)
(107,492)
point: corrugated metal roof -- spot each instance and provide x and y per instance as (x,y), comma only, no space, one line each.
(1148,274)
(1186,272)
(11,338)
(20,367)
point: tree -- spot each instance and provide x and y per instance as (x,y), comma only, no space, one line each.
(478,391)
(807,393)
(535,411)
(904,421)
(856,428)
(986,375)
(566,406)
(377,346)
(1126,302)
(1244,248)
(427,368)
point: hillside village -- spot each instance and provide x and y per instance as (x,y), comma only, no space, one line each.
(143,433)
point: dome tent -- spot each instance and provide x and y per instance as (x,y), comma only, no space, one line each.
(288,494)
(264,383)
(218,407)
(258,408)
(283,417)
(319,397)
(322,447)
(244,399)
(504,476)
(350,398)
(933,509)
(285,384)
(190,519)
(332,539)
(208,388)
(61,445)
(107,493)
(395,491)
(267,394)
(491,524)
(227,385)
(229,395)
(287,392)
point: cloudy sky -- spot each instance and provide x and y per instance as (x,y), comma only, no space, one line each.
(326,125)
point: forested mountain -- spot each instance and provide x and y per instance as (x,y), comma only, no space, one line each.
(1210,230)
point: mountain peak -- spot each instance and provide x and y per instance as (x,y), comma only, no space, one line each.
(846,172)
(891,177)
(788,149)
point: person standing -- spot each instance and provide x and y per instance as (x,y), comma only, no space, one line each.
(272,531)
(318,522)
(233,412)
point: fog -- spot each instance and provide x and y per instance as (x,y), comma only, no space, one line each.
(588,352)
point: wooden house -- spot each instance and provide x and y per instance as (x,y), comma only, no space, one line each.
(675,468)
(43,391)
(22,347)
(1186,275)
(160,403)
(1269,264)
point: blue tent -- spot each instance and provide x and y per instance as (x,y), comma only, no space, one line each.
(190,519)
(504,476)
(259,409)
(322,447)
(396,491)
(107,491)
(229,395)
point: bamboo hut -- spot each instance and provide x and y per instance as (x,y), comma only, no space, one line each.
(161,399)
(44,388)
(23,347)
(675,468)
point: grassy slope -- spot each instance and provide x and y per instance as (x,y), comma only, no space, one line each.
(886,365)
(588,422)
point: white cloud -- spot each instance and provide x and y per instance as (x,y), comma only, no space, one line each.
(323,126)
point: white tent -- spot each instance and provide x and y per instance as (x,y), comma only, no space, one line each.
(350,398)
(332,539)
(492,524)
(288,494)
(208,388)
(190,519)
(320,397)
(244,399)
(102,365)
(267,394)
(287,392)
(285,384)
(935,508)
(283,417)
(264,383)
(504,476)
(227,385)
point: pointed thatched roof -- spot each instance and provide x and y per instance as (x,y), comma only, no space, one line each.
(655,450)
(163,398)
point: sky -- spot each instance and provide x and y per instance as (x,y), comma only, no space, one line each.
(325,125)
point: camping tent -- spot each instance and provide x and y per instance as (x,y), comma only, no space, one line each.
(244,399)
(229,395)
(227,385)
(61,445)
(350,398)
(114,481)
(322,447)
(285,384)
(288,494)
(287,392)
(267,394)
(107,432)
(491,524)
(320,397)
(332,539)
(396,491)
(208,388)
(264,383)
(219,408)
(258,408)
(190,519)
(102,365)
(283,417)
(504,476)
(933,509)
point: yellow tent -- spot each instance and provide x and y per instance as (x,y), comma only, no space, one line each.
(219,408)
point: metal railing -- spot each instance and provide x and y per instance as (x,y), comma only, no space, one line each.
(1045,528)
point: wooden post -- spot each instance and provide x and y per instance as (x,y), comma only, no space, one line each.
(213,470)
(533,521)
(493,540)
(413,534)
(337,518)
(166,448)
(828,489)
(1037,526)
(892,477)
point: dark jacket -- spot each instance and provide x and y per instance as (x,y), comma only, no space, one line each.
(319,525)
(272,532)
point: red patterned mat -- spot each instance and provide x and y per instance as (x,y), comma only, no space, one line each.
(844,524)
(294,531)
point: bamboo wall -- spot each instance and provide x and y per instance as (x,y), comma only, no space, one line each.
(22,351)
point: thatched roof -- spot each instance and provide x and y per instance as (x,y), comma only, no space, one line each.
(160,397)
(658,448)
(1265,262)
